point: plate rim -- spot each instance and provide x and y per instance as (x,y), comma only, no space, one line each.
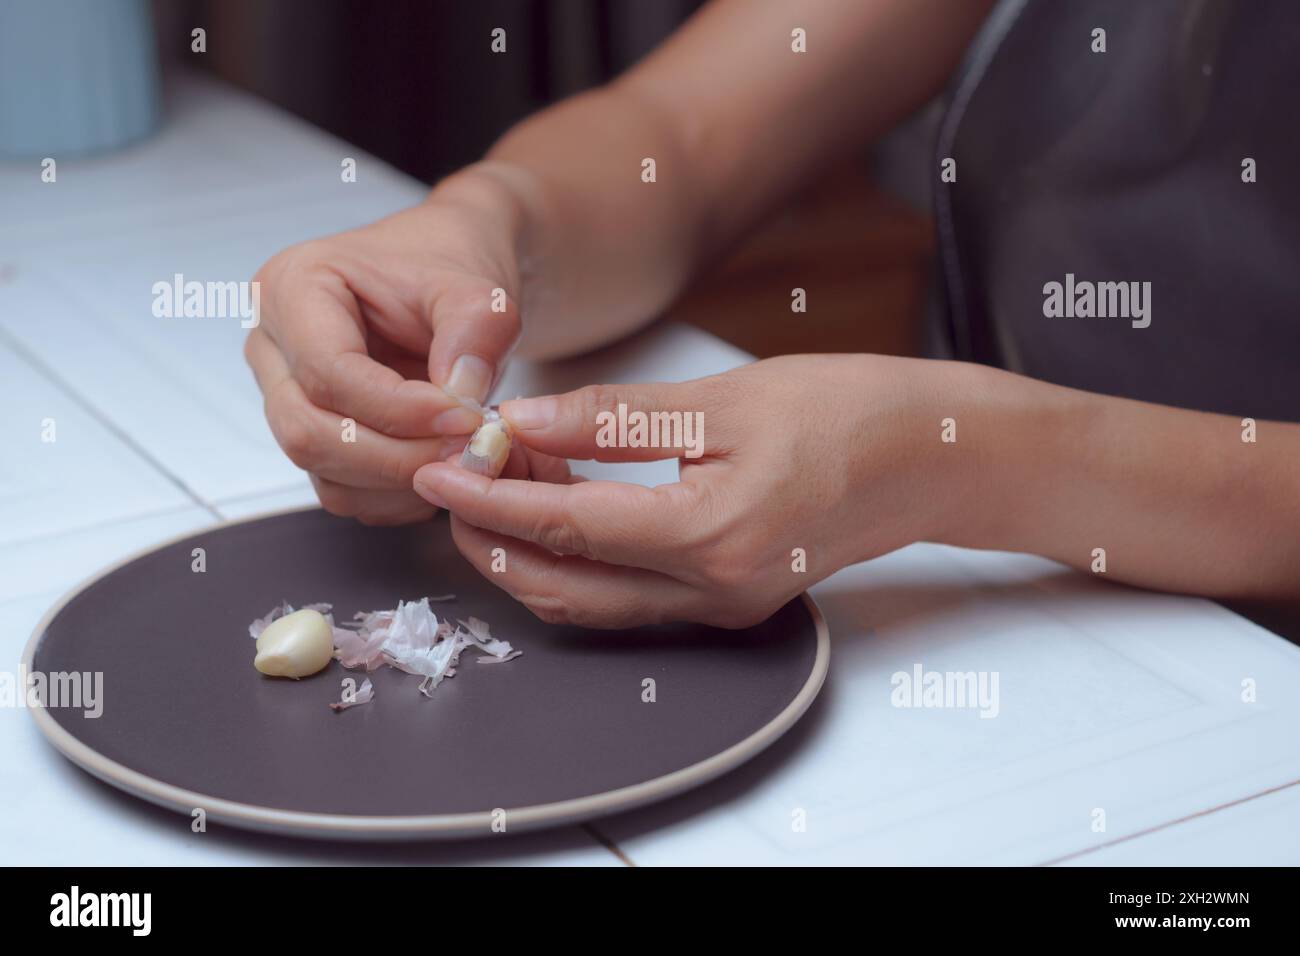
(342,826)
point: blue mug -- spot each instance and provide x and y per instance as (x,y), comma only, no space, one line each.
(76,76)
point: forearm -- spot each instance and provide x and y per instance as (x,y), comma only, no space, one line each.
(1175,498)
(600,250)
(734,120)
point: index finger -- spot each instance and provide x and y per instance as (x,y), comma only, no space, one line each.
(317,325)
(608,521)
(646,422)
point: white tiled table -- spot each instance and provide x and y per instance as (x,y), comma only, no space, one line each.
(1109,698)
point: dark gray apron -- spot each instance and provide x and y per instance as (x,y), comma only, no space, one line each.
(1126,166)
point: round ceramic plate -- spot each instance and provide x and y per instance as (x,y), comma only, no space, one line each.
(564,733)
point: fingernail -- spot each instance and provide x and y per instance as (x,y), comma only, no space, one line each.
(528,413)
(471,377)
(456,421)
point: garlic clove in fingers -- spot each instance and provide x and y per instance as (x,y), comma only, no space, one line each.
(489,446)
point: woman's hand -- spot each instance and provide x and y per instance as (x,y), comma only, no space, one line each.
(808,464)
(390,326)
(841,458)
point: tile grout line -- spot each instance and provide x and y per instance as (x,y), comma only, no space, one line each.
(1172,823)
(36,362)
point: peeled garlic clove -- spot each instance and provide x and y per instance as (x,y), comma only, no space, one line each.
(489,447)
(296,645)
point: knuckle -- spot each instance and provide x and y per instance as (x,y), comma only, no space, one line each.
(291,429)
(507,324)
(384,420)
(595,400)
(282,267)
(380,406)
(727,568)
(560,535)
(271,269)
(722,391)
(301,256)
(726,554)
(684,517)
(315,375)
(393,470)
(381,399)
(556,611)
(548,609)
(296,440)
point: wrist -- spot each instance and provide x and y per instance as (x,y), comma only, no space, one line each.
(1002,474)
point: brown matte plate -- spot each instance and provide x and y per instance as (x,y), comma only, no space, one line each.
(559,735)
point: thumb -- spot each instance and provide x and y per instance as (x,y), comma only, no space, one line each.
(474,329)
(612,422)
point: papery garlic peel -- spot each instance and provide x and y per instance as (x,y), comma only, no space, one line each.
(296,645)
(489,447)
(410,638)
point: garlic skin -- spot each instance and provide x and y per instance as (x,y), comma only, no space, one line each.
(296,645)
(488,448)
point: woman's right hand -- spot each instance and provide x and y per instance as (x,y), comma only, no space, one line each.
(389,326)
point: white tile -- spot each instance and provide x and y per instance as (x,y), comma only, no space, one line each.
(179,387)
(192,408)
(1263,831)
(226,184)
(219,151)
(1108,698)
(53,564)
(85,476)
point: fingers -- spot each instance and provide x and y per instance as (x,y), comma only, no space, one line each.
(381,398)
(323,443)
(410,365)
(524,463)
(372,507)
(603,520)
(613,422)
(542,467)
(313,320)
(570,589)
(474,328)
